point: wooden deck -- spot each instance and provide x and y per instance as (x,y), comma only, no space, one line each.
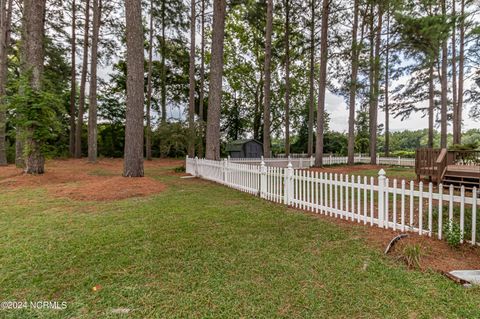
(457,168)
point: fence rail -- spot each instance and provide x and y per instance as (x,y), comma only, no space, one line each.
(396,205)
(306,162)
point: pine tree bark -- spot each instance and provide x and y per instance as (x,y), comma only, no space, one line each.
(73,82)
(5,25)
(287,78)
(133,161)
(163,70)
(215,87)
(353,86)
(456,131)
(33,46)
(461,65)
(148,130)
(202,84)
(268,80)
(92,109)
(376,89)
(83,81)
(431,104)
(322,83)
(191,100)
(311,104)
(387,75)
(444,85)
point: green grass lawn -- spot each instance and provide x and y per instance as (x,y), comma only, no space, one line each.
(398,172)
(203,250)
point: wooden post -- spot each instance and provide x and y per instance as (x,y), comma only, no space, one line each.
(263,179)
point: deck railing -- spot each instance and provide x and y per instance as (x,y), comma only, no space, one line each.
(397,205)
(433,163)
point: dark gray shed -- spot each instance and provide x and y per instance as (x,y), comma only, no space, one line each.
(249,148)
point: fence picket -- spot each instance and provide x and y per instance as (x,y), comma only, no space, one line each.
(340,195)
(474,215)
(440,210)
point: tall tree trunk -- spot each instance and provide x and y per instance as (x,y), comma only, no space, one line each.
(257,121)
(215,85)
(461,65)
(353,87)
(376,89)
(371,71)
(444,85)
(92,109)
(148,131)
(431,104)
(456,131)
(20,129)
(5,25)
(322,84)
(387,75)
(73,85)
(287,78)
(191,102)
(133,162)
(33,46)
(202,82)
(163,70)
(311,104)
(268,80)
(83,81)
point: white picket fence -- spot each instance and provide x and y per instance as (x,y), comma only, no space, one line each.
(396,205)
(306,162)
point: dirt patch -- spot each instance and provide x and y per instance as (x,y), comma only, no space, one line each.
(109,188)
(434,254)
(80,180)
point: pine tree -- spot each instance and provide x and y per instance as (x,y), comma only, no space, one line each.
(191,100)
(133,157)
(353,85)
(268,79)
(92,110)
(83,81)
(148,130)
(216,74)
(33,34)
(73,82)
(6,8)
(322,83)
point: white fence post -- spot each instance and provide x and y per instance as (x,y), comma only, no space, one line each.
(225,171)
(399,161)
(288,186)
(381,197)
(263,179)
(378,159)
(312,161)
(196,166)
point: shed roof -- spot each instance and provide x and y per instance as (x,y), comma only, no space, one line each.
(236,146)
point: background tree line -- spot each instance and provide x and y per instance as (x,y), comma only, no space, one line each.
(219,70)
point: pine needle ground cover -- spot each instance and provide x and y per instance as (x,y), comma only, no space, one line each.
(201,250)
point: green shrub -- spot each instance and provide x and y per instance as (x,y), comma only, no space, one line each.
(180,169)
(453,234)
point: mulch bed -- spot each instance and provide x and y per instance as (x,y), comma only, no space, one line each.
(79,180)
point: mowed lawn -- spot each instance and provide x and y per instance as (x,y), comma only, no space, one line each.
(200,250)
